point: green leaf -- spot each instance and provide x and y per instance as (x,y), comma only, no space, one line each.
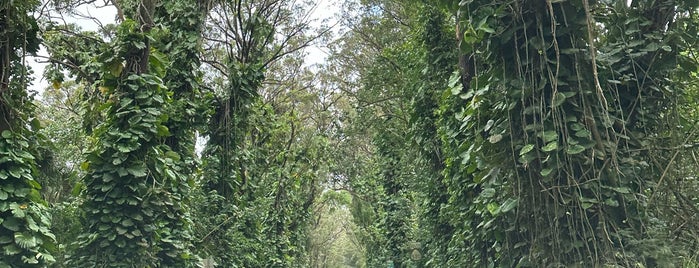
(527,148)
(26,240)
(84,166)
(509,205)
(163,131)
(6,134)
(15,172)
(524,159)
(545,172)
(583,133)
(549,135)
(172,155)
(611,202)
(558,99)
(575,149)
(488,193)
(493,208)
(116,68)
(11,250)
(550,146)
(139,171)
(127,223)
(11,223)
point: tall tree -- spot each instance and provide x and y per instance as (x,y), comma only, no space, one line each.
(132,198)
(24,223)
(264,182)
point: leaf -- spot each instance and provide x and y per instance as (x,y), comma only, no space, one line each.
(575,149)
(26,240)
(583,133)
(137,171)
(127,223)
(558,99)
(495,138)
(455,83)
(622,190)
(493,208)
(11,223)
(170,174)
(527,148)
(545,172)
(163,131)
(509,205)
(549,135)
(488,193)
(84,166)
(11,249)
(488,125)
(524,159)
(550,146)
(172,155)
(611,202)
(6,134)
(116,68)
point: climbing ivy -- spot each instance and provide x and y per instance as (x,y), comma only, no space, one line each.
(547,161)
(25,237)
(133,186)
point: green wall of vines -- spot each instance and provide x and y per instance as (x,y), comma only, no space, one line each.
(551,167)
(135,183)
(25,238)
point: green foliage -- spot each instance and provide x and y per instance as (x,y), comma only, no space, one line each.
(439,134)
(60,113)
(547,164)
(333,239)
(179,40)
(259,169)
(133,184)
(25,238)
(25,235)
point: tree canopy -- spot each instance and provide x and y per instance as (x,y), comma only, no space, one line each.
(392,133)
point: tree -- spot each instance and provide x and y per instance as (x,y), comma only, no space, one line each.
(258,169)
(24,232)
(132,198)
(386,72)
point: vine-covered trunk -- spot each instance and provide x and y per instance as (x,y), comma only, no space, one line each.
(24,222)
(133,186)
(553,170)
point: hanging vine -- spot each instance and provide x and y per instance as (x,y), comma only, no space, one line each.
(553,162)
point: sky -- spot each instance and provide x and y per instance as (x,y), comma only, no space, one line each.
(107,14)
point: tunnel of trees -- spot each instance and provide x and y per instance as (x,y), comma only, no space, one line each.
(358,133)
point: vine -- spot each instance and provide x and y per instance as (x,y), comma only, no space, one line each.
(134,182)
(554,171)
(25,237)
